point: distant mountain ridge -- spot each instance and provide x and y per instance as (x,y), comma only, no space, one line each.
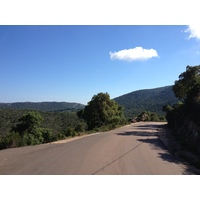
(134,103)
(152,100)
(43,106)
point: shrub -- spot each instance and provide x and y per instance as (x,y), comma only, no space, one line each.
(11,140)
(71,132)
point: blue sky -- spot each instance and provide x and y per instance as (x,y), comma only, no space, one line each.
(73,63)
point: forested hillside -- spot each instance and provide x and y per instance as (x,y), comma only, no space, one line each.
(23,127)
(134,103)
(27,127)
(152,100)
(43,106)
(58,122)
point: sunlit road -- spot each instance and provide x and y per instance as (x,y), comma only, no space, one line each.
(130,150)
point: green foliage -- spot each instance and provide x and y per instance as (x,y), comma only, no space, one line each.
(26,132)
(11,140)
(154,117)
(8,119)
(173,113)
(184,118)
(188,80)
(150,116)
(70,132)
(102,111)
(57,122)
(22,128)
(59,136)
(28,123)
(43,106)
(47,135)
(152,100)
(30,139)
(81,127)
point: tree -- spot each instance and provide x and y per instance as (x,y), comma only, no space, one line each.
(183,117)
(28,123)
(102,111)
(47,135)
(149,116)
(188,80)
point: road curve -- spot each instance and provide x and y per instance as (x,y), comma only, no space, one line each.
(130,150)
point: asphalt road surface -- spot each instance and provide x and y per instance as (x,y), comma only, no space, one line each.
(130,150)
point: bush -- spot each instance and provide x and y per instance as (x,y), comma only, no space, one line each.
(47,135)
(71,132)
(59,136)
(28,139)
(150,116)
(81,127)
(11,140)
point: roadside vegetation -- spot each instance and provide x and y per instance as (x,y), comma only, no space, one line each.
(102,113)
(148,116)
(24,127)
(34,127)
(184,117)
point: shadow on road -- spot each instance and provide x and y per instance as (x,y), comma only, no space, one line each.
(137,133)
(149,126)
(167,156)
(142,130)
(153,130)
(156,143)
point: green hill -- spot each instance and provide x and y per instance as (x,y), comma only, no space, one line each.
(146,100)
(43,106)
(134,103)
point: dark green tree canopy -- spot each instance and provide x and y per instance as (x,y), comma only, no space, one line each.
(28,123)
(188,81)
(183,118)
(102,111)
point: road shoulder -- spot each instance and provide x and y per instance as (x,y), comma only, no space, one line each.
(167,138)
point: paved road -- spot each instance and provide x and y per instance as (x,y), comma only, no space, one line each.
(131,150)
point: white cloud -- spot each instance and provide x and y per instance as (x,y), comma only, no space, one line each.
(194,31)
(137,53)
